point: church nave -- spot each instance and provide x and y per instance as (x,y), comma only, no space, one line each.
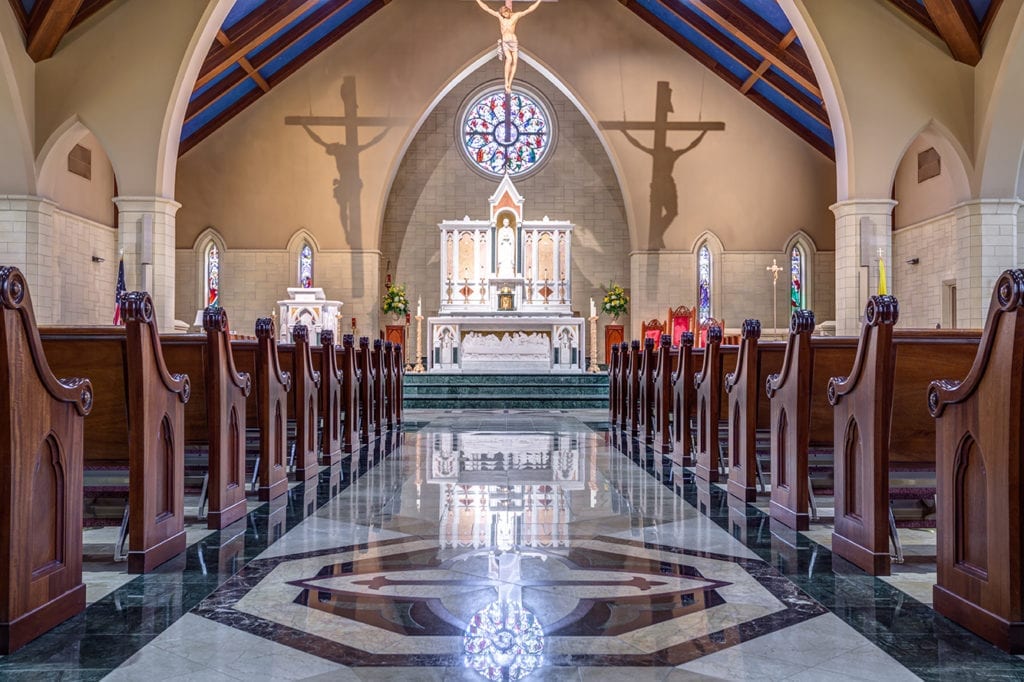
(506,545)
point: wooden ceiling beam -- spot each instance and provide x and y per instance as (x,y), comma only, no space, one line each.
(958,27)
(917,12)
(223,39)
(49,21)
(278,77)
(248,34)
(89,8)
(769,107)
(814,108)
(269,52)
(748,28)
(19,14)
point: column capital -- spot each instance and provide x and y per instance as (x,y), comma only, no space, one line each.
(863,207)
(1009,206)
(135,204)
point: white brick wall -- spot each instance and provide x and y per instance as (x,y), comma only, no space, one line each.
(85,289)
(919,288)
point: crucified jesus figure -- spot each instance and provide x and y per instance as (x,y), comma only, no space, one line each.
(509,44)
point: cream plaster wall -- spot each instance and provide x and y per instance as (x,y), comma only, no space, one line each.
(90,199)
(17,108)
(258,179)
(577,183)
(920,201)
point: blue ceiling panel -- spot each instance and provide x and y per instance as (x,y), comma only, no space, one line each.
(271,39)
(214,110)
(28,5)
(793,111)
(241,10)
(770,11)
(703,44)
(232,70)
(299,47)
(778,72)
(980,9)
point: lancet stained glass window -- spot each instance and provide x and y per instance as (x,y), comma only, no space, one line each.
(212,276)
(796,285)
(306,267)
(506,133)
(704,283)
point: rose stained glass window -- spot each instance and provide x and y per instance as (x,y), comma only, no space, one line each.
(796,285)
(212,276)
(306,267)
(506,134)
(704,283)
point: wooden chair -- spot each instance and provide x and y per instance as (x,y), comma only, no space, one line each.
(702,338)
(680,320)
(653,330)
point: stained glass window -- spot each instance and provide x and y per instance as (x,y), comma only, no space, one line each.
(306,267)
(506,134)
(704,283)
(796,285)
(212,276)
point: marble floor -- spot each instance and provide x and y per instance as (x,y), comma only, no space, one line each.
(505,545)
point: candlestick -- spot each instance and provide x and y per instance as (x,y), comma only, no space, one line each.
(418,369)
(593,308)
(419,306)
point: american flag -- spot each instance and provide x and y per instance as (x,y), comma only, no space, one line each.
(119,293)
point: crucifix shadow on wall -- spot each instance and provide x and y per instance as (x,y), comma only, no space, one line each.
(347,187)
(664,193)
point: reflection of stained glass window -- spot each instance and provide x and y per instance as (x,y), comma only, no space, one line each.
(796,286)
(505,134)
(704,283)
(306,267)
(504,641)
(212,276)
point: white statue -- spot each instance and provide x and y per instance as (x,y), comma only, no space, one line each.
(506,251)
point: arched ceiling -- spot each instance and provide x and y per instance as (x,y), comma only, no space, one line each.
(748,43)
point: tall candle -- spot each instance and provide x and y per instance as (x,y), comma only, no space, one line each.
(593,308)
(419,307)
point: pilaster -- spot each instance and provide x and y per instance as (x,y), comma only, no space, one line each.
(146,236)
(863,226)
(26,240)
(985,237)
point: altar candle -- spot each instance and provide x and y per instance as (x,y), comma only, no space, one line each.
(593,308)
(419,307)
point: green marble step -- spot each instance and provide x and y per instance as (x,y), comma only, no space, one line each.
(490,391)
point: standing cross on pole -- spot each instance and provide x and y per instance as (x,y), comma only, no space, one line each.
(775,270)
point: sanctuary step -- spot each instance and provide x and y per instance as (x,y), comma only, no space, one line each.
(490,391)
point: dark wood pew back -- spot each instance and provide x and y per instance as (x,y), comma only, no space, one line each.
(662,381)
(41,462)
(892,367)
(325,361)
(272,388)
(684,401)
(979,457)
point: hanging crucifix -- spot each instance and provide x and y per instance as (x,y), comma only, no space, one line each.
(775,270)
(508,46)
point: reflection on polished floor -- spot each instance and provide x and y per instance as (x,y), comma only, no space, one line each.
(507,546)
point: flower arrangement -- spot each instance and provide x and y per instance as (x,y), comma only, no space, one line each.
(395,301)
(615,302)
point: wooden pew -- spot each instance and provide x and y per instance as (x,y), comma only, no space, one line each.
(632,376)
(801,417)
(41,461)
(708,385)
(748,409)
(215,416)
(137,426)
(349,395)
(648,365)
(613,385)
(979,453)
(684,402)
(305,401)
(272,388)
(325,361)
(389,385)
(367,391)
(398,377)
(622,394)
(380,376)
(662,381)
(892,367)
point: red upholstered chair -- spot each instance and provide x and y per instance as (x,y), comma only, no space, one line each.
(680,320)
(707,324)
(652,330)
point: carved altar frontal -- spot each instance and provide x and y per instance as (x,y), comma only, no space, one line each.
(506,294)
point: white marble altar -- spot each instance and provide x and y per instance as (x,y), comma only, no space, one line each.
(311,308)
(506,294)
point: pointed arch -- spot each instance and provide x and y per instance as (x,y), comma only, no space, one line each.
(955,159)
(17,172)
(548,73)
(707,254)
(52,157)
(300,240)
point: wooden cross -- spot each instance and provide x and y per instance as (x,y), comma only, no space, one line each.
(775,270)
